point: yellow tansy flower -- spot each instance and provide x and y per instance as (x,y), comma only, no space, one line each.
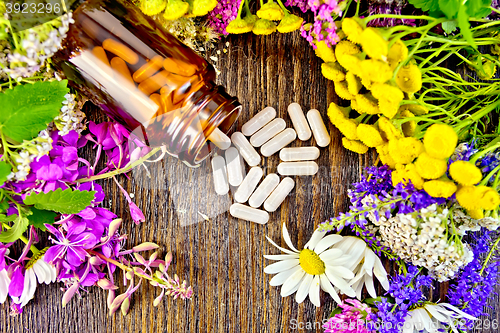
(270,11)
(384,91)
(440,188)
(409,78)
(385,157)
(366,82)
(352,29)
(366,104)
(476,213)
(332,71)
(202,7)
(388,130)
(440,140)
(465,173)
(345,48)
(489,197)
(336,113)
(405,174)
(388,108)
(263,27)
(478,197)
(290,23)
(176,9)
(351,63)
(355,146)
(397,53)
(405,150)
(369,135)
(408,127)
(354,105)
(353,83)
(239,26)
(153,7)
(348,127)
(375,70)
(429,167)
(374,44)
(325,52)
(342,91)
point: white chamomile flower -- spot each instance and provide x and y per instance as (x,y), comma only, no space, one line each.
(434,318)
(316,266)
(364,264)
(36,269)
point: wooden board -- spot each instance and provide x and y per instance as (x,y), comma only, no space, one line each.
(222,258)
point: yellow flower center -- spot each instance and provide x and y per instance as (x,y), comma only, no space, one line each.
(311,262)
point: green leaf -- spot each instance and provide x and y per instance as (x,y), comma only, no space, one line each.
(478,8)
(463,24)
(426,5)
(449,8)
(371,301)
(5,170)
(28,109)
(337,310)
(10,218)
(41,217)
(449,26)
(65,202)
(17,230)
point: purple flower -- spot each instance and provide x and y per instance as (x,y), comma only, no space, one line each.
(223,13)
(384,7)
(303,5)
(323,28)
(71,247)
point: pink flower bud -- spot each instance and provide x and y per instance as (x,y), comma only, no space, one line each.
(113,227)
(140,258)
(136,213)
(111,298)
(117,302)
(68,295)
(106,284)
(146,246)
(125,306)
(158,299)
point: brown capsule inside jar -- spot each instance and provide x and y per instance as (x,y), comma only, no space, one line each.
(146,79)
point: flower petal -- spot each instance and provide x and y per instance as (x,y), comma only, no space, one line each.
(369,286)
(292,283)
(304,288)
(4,285)
(370,258)
(314,291)
(281,266)
(436,314)
(279,247)
(327,242)
(339,282)
(327,286)
(331,254)
(315,238)
(342,272)
(338,261)
(288,241)
(40,272)
(281,256)
(280,278)
(455,309)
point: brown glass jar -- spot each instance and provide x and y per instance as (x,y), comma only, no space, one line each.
(145,78)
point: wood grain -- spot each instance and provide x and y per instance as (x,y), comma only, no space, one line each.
(222,258)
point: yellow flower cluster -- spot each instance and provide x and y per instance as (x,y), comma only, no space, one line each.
(175,9)
(362,66)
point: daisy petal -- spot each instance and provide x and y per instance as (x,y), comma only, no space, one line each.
(331,254)
(369,261)
(281,256)
(369,286)
(455,309)
(358,288)
(338,261)
(4,285)
(327,286)
(343,272)
(292,283)
(339,282)
(436,314)
(279,247)
(315,238)
(327,242)
(280,278)
(314,292)
(304,288)
(281,266)
(288,241)
(40,272)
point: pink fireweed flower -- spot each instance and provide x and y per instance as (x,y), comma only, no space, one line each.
(353,318)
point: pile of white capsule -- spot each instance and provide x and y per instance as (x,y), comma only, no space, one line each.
(271,135)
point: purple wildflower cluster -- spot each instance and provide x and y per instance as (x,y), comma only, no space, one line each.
(472,289)
(303,5)
(223,13)
(386,7)
(323,28)
(406,289)
(354,318)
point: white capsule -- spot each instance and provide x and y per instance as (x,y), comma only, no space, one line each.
(258,121)
(234,166)
(248,213)
(246,150)
(264,190)
(308,168)
(318,128)
(299,154)
(299,122)
(220,175)
(279,194)
(278,142)
(220,139)
(268,132)
(248,184)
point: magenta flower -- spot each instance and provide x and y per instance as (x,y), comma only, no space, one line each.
(354,318)
(71,247)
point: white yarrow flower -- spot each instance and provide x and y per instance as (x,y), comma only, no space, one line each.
(316,267)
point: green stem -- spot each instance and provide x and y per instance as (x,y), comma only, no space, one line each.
(493,248)
(488,177)
(33,248)
(122,170)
